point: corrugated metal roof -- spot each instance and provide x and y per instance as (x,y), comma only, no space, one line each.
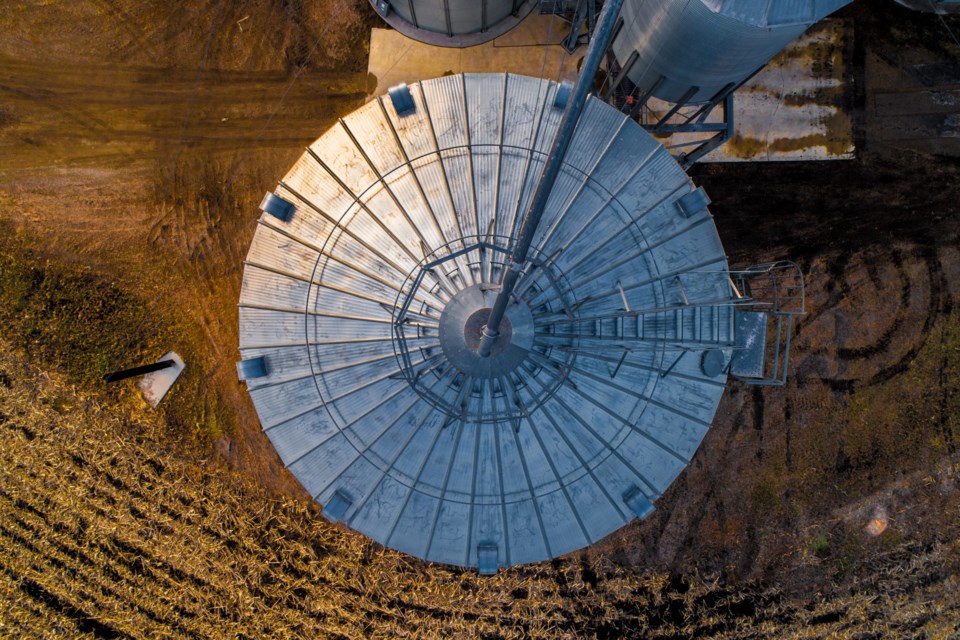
(601,405)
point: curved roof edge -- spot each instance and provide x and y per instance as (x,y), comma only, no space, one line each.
(461,40)
(777,13)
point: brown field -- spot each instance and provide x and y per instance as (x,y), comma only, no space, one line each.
(106,534)
(136,139)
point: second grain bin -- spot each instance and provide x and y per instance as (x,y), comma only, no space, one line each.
(453,23)
(695,51)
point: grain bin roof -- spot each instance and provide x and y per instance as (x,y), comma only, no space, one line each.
(360,300)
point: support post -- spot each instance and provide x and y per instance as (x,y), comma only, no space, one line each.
(644,97)
(679,105)
(573,38)
(701,114)
(718,139)
(621,75)
(551,170)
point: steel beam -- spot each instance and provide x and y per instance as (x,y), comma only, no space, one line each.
(551,170)
(572,40)
(116,376)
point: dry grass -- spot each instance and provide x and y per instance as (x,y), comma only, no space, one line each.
(234,34)
(107,535)
(86,324)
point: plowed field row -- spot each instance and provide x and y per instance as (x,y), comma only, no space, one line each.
(104,535)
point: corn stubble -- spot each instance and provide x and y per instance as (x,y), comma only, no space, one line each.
(107,535)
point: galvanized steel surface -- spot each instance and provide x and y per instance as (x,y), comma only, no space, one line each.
(707,44)
(944,7)
(453,23)
(394,217)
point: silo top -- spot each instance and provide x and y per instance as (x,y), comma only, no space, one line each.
(453,23)
(364,302)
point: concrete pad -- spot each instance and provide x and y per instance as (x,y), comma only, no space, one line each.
(154,386)
(532,49)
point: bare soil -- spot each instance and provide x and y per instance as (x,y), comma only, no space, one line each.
(137,139)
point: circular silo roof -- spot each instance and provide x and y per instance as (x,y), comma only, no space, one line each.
(364,301)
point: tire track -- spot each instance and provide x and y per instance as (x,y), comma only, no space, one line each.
(932,312)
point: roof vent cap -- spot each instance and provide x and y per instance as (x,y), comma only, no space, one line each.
(402,99)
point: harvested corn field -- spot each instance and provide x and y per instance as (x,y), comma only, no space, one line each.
(107,535)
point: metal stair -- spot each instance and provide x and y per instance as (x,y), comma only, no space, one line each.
(687,328)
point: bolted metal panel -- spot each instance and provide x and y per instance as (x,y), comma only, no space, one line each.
(638,503)
(337,506)
(363,303)
(677,45)
(562,95)
(693,202)
(487,559)
(453,23)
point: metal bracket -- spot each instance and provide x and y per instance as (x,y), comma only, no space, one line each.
(623,296)
(638,503)
(616,369)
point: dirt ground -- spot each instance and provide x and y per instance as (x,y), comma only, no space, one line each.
(136,139)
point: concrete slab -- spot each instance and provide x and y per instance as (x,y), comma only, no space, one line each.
(532,49)
(155,386)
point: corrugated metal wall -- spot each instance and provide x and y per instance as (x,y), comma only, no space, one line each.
(707,44)
(455,23)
